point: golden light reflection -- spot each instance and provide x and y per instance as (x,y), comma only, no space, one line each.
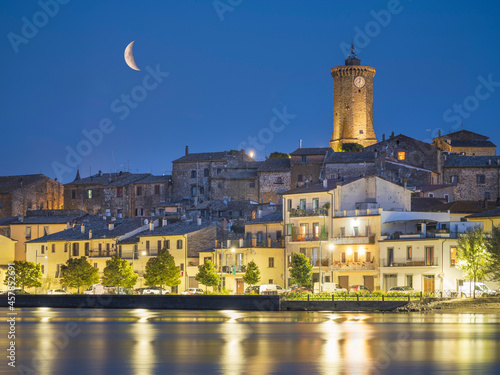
(234,334)
(143,353)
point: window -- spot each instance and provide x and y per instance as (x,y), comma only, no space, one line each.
(147,245)
(429,256)
(480,178)
(182,266)
(271,281)
(302,204)
(453,256)
(65,247)
(355,231)
(157,189)
(342,231)
(315,230)
(401,155)
(431,195)
(315,203)
(89,193)
(53,247)
(300,178)
(95,265)
(43,268)
(279,180)
(206,259)
(45,231)
(87,248)
(252,184)
(179,244)
(138,190)
(408,252)
(42,250)
(193,174)
(76,249)
(202,190)
(119,192)
(205,172)
(487,195)
(361,131)
(139,212)
(304,159)
(166,244)
(289,205)
(271,262)
(447,197)
(159,245)
(73,194)
(193,191)
(368,256)
(28,233)
(219,170)
(343,257)
(454,179)
(278,234)
(409,281)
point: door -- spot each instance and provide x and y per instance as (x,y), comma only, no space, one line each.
(193,283)
(429,256)
(390,257)
(369,282)
(344,282)
(429,284)
(240,286)
(390,281)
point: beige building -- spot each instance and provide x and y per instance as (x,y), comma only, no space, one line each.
(7,250)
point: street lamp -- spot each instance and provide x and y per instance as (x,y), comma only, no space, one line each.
(222,258)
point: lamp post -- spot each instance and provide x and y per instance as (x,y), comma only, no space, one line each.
(222,258)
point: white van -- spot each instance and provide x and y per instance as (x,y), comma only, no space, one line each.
(271,289)
(96,289)
(467,289)
(329,287)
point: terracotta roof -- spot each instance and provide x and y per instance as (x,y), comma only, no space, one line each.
(275,165)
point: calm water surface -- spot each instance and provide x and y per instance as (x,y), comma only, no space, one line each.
(138,341)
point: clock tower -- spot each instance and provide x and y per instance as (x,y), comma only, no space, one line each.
(352,103)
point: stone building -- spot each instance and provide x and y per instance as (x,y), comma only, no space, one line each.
(307,164)
(464,142)
(474,177)
(29,192)
(347,165)
(214,175)
(274,178)
(352,104)
(121,194)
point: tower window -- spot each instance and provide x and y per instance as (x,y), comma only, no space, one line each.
(361,132)
(304,159)
(401,155)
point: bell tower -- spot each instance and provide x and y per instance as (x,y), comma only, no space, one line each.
(352,103)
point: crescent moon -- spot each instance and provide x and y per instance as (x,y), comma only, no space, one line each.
(129,57)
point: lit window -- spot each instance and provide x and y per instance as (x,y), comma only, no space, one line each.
(89,193)
(401,155)
(453,256)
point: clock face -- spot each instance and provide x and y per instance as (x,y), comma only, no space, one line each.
(359,82)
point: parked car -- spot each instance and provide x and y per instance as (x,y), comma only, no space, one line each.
(401,289)
(96,289)
(254,289)
(57,291)
(271,289)
(360,288)
(154,290)
(329,287)
(299,289)
(467,289)
(139,290)
(193,291)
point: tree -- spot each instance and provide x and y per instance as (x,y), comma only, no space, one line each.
(27,274)
(472,257)
(301,269)
(493,248)
(118,272)
(252,274)
(206,275)
(161,270)
(77,272)
(279,155)
(351,147)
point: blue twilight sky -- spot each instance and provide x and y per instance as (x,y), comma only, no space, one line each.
(234,71)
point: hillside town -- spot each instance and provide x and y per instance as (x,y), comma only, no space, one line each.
(381,212)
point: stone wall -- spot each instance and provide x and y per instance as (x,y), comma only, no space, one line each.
(237,189)
(271,184)
(310,169)
(201,240)
(467,186)
(335,171)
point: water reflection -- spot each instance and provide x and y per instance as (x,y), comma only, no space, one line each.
(140,341)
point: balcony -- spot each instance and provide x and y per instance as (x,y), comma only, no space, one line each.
(352,213)
(353,240)
(309,237)
(353,266)
(232,269)
(414,262)
(101,254)
(295,212)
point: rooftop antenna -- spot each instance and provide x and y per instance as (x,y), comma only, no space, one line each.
(353,50)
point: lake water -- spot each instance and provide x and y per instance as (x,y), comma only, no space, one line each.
(138,341)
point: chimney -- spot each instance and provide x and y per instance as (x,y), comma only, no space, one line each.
(439,132)
(383,137)
(198,220)
(20,218)
(151,225)
(90,234)
(489,161)
(82,228)
(300,143)
(164,222)
(111,225)
(325,183)
(392,134)
(259,213)
(187,150)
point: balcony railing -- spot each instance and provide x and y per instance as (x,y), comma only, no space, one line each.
(101,254)
(295,212)
(300,237)
(414,262)
(350,240)
(353,266)
(232,269)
